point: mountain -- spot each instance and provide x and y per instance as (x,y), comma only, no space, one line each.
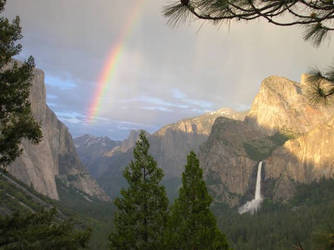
(283,129)
(169,146)
(282,105)
(55,156)
(305,159)
(91,148)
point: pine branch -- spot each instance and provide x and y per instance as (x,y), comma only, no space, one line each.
(316,16)
(321,86)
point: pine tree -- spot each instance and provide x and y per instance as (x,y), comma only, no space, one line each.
(16,120)
(142,210)
(40,231)
(191,224)
(315,17)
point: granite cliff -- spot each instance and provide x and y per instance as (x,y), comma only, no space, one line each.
(169,146)
(283,129)
(55,156)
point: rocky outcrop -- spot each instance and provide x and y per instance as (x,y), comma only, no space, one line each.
(171,144)
(283,129)
(55,156)
(226,164)
(282,105)
(303,160)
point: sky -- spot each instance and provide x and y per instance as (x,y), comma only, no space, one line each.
(163,73)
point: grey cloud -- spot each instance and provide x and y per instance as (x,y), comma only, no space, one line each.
(188,70)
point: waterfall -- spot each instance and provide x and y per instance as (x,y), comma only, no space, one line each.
(253,205)
(258,183)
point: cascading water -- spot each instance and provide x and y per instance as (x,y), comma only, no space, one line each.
(253,205)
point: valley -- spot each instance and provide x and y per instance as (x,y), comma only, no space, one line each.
(297,167)
(124,134)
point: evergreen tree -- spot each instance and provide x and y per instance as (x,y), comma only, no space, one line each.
(191,224)
(40,231)
(142,210)
(16,120)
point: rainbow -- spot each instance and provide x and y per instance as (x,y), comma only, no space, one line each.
(113,59)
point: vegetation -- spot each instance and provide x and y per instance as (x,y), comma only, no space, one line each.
(29,227)
(16,120)
(304,222)
(88,211)
(316,17)
(42,230)
(191,223)
(260,149)
(142,210)
(93,214)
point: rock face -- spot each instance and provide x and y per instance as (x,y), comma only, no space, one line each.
(304,159)
(292,137)
(283,105)
(55,156)
(91,149)
(283,129)
(169,146)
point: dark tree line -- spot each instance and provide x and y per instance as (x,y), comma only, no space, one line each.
(40,231)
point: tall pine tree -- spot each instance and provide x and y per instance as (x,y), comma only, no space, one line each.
(16,120)
(191,224)
(142,210)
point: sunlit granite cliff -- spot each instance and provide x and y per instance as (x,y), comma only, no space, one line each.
(283,129)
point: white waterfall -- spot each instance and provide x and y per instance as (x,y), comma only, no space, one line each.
(253,205)
(258,182)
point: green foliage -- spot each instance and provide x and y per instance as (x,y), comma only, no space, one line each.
(91,212)
(39,231)
(142,210)
(305,220)
(257,151)
(16,120)
(260,149)
(16,200)
(191,224)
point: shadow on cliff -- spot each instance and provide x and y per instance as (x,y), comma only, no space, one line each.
(232,140)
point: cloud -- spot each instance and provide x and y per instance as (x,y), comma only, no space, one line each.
(178,94)
(164,74)
(62,84)
(157,108)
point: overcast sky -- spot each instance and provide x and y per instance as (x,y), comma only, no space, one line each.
(164,74)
